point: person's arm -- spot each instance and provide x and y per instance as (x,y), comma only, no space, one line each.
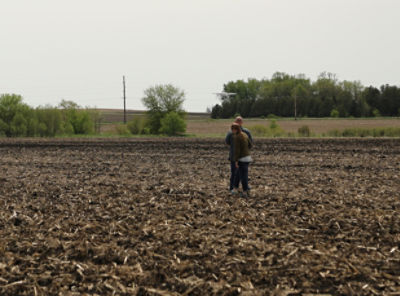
(250,138)
(248,133)
(228,138)
(249,141)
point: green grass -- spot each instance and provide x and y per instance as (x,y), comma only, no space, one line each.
(366,132)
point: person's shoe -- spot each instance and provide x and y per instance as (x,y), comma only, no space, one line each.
(234,192)
(245,194)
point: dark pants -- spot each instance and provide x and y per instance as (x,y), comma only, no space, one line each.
(242,175)
(233,175)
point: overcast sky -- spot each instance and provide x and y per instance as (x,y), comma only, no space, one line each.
(79,50)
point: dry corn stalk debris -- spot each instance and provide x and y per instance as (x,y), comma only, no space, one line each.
(154,217)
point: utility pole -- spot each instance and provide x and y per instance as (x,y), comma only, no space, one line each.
(123,82)
(295,105)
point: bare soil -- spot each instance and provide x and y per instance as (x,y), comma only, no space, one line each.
(154,217)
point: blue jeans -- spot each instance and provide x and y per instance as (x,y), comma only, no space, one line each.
(242,175)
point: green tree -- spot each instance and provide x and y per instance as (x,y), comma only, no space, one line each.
(15,115)
(255,98)
(161,100)
(216,111)
(172,124)
(390,100)
(18,125)
(334,113)
(49,121)
(76,120)
(372,96)
(97,118)
(135,126)
(3,128)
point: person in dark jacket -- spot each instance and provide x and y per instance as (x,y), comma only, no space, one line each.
(229,141)
(241,158)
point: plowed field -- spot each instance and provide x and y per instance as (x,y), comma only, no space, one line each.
(154,217)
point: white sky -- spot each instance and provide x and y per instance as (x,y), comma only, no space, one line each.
(79,50)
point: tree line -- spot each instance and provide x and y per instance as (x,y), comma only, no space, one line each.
(17,119)
(296,95)
(165,115)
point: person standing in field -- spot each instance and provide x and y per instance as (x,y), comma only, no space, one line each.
(230,143)
(241,158)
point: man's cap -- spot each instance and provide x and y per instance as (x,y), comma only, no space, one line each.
(238,119)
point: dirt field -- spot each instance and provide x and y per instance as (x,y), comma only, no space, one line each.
(117,115)
(317,126)
(153,217)
(218,128)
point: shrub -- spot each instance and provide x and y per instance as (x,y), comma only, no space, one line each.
(153,121)
(334,133)
(376,113)
(97,118)
(82,123)
(304,131)
(349,132)
(146,131)
(42,129)
(216,111)
(135,126)
(32,126)
(14,115)
(335,113)
(18,126)
(49,122)
(80,120)
(259,130)
(68,129)
(122,130)
(387,132)
(273,124)
(272,116)
(19,120)
(365,132)
(3,128)
(273,130)
(172,124)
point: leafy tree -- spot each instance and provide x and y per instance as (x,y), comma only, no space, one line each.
(18,125)
(372,97)
(257,98)
(376,113)
(76,120)
(49,121)
(3,128)
(172,124)
(304,131)
(334,113)
(19,120)
(97,118)
(216,111)
(14,114)
(161,100)
(390,100)
(135,126)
